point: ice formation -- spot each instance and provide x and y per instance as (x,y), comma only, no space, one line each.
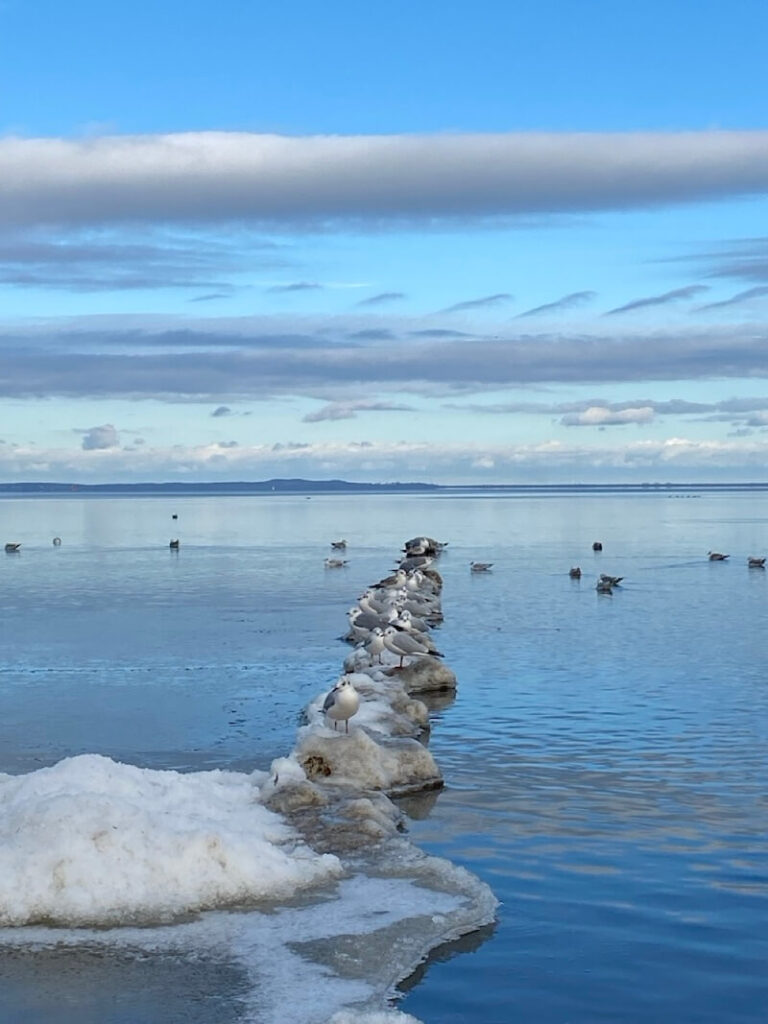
(90,844)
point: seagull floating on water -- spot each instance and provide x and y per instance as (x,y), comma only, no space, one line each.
(755,563)
(613,580)
(335,563)
(715,556)
(575,572)
(338,545)
(480,566)
(342,702)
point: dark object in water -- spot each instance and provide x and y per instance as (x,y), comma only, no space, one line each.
(613,581)
(715,556)
(174,516)
(56,541)
(10,548)
(575,573)
(174,544)
(597,546)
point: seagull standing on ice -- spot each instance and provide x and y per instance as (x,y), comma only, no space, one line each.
(403,644)
(342,702)
(375,644)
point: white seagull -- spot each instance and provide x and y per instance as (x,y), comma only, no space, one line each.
(403,644)
(342,702)
(375,644)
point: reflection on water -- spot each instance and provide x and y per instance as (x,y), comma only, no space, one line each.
(72,985)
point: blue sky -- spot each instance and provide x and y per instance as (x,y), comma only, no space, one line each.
(487,242)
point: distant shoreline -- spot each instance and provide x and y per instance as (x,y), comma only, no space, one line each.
(309,487)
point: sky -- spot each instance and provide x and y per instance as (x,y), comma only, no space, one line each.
(460,243)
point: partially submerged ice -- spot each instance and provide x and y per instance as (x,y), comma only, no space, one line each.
(334,906)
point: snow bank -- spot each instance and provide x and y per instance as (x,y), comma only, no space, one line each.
(91,841)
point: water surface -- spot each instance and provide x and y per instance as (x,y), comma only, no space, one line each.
(606,757)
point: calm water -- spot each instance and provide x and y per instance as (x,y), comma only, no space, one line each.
(606,757)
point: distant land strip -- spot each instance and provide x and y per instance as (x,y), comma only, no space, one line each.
(299,486)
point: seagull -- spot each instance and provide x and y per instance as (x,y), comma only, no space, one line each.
(342,702)
(338,545)
(604,586)
(575,573)
(756,563)
(416,562)
(403,644)
(369,603)
(335,563)
(480,566)
(715,556)
(614,581)
(412,622)
(10,547)
(375,644)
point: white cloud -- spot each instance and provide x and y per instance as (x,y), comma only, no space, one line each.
(676,458)
(100,438)
(602,416)
(215,176)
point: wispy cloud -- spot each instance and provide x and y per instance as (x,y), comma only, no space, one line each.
(84,262)
(372,334)
(758,292)
(671,406)
(561,305)
(438,332)
(486,302)
(383,298)
(349,410)
(295,286)
(676,295)
(744,259)
(246,359)
(240,177)
(211,296)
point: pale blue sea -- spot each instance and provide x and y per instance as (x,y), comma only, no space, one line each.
(605,758)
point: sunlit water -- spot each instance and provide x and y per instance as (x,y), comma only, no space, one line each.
(606,757)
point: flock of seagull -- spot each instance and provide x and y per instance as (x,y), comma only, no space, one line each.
(753,562)
(606,583)
(392,615)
